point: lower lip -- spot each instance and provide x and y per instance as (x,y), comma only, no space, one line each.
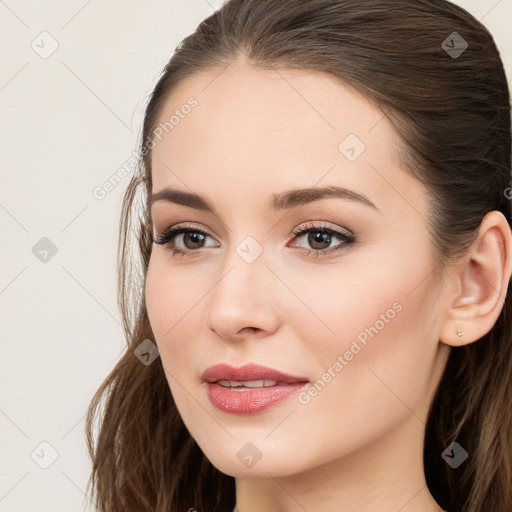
(250,401)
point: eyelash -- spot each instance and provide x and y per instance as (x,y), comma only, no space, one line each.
(348,239)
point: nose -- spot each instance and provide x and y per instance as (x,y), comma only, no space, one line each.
(245,301)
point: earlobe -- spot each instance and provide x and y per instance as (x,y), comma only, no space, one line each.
(481,283)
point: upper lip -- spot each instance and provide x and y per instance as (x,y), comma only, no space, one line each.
(247,372)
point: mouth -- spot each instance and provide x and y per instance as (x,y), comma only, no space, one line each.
(240,385)
(250,388)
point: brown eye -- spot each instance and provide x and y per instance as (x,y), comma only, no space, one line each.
(319,239)
(193,239)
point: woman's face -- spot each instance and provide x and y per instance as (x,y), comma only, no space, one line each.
(354,313)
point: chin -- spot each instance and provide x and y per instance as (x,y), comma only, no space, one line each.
(245,459)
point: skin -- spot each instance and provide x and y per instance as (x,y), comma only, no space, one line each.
(359,442)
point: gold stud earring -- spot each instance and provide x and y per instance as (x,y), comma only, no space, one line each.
(459,332)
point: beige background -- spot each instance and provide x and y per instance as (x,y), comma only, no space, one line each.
(68,122)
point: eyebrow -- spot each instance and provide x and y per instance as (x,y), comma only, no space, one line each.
(283,201)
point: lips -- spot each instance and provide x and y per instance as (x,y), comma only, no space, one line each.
(248,373)
(250,388)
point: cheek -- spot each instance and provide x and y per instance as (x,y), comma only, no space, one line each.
(158,298)
(170,295)
(167,301)
(170,302)
(361,300)
(174,303)
(380,360)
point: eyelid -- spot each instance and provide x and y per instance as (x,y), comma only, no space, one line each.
(302,227)
(322,226)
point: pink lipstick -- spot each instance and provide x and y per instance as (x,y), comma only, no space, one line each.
(250,388)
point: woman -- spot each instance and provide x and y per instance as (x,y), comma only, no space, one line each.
(321,315)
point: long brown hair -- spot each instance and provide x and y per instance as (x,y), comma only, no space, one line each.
(450,106)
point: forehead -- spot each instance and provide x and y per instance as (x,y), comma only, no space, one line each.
(262,131)
(241,105)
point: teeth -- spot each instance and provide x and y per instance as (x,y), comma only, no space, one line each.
(247,383)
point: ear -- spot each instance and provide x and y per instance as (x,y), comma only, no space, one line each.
(480,282)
